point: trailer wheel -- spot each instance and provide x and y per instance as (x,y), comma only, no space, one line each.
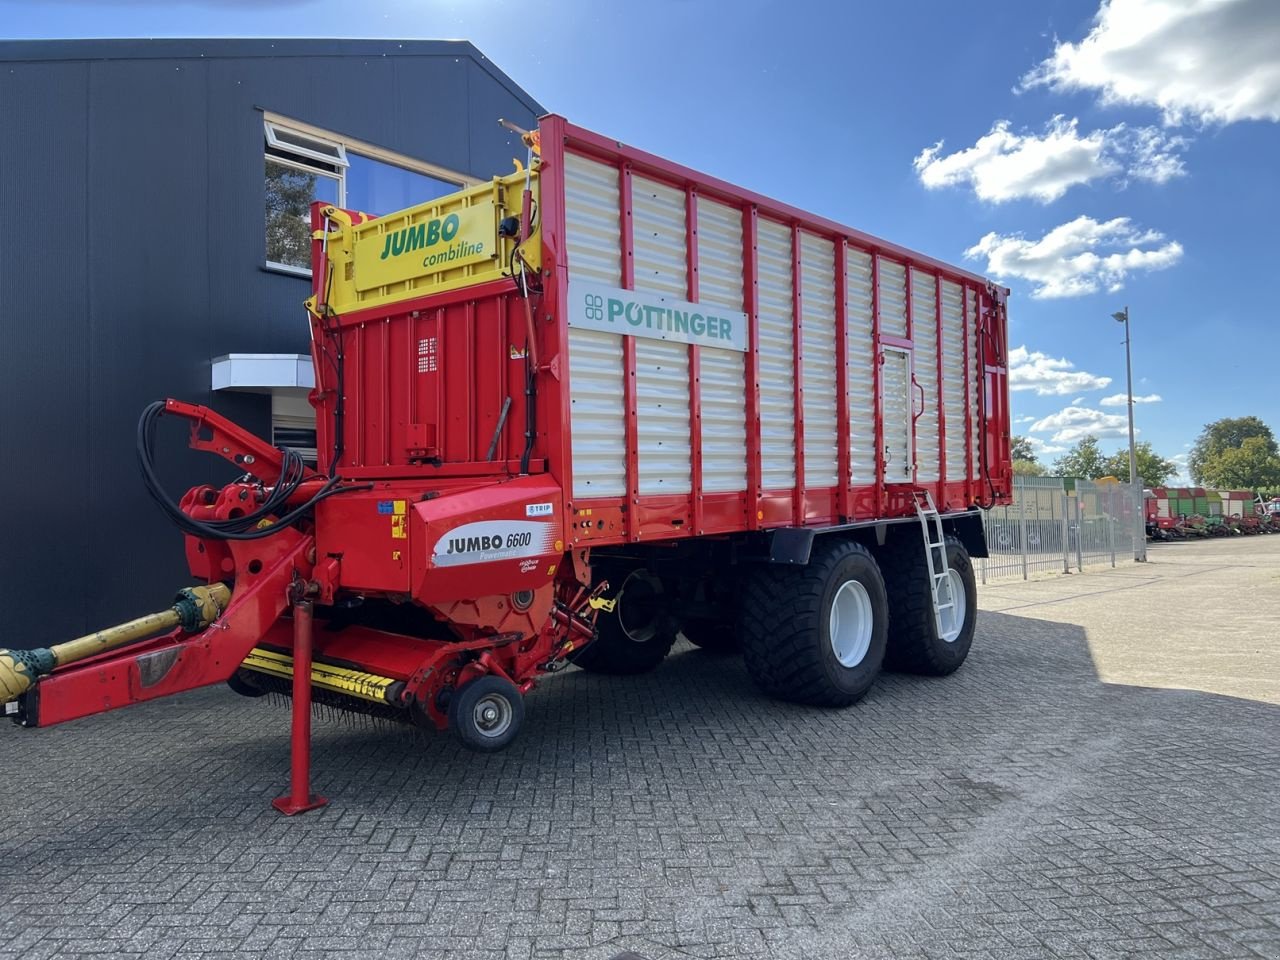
(637,635)
(486,714)
(816,634)
(914,643)
(242,683)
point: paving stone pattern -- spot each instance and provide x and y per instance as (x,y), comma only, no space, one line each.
(1019,809)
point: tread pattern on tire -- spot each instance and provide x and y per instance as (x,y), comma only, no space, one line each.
(780,607)
(913,645)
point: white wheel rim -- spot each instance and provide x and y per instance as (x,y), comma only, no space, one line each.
(953,619)
(851,623)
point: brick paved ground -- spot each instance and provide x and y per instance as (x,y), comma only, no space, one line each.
(1023,808)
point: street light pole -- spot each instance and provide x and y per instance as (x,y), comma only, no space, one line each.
(1139,522)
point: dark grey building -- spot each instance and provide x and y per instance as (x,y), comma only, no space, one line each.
(150,192)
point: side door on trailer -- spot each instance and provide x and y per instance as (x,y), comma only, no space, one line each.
(896,413)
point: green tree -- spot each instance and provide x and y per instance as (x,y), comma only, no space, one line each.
(289,196)
(1153,469)
(1025,461)
(1028,468)
(1022,449)
(1220,436)
(1249,466)
(1083,460)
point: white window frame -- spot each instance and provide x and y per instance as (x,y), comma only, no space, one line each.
(316,162)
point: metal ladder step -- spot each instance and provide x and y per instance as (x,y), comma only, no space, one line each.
(934,540)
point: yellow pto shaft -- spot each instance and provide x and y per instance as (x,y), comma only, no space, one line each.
(194,609)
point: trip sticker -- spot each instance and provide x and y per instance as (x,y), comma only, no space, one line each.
(538,510)
(487,540)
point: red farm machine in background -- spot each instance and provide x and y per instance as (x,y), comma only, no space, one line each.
(562,416)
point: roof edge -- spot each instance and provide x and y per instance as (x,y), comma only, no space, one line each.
(212,48)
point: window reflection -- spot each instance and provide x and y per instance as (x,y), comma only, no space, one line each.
(378,188)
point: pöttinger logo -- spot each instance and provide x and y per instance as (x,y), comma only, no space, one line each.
(594,306)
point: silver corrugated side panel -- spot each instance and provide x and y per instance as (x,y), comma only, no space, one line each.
(860,353)
(662,416)
(593,236)
(924,335)
(597,414)
(662,369)
(597,420)
(953,365)
(976,376)
(723,373)
(893,298)
(777,373)
(818,314)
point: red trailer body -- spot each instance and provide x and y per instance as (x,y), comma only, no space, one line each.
(626,426)
(605,368)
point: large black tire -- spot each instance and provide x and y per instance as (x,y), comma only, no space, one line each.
(637,635)
(914,644)
(486,714)
(787,626)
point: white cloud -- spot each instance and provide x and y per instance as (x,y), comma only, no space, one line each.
(1049,376)
(1120,399)
(1074,423)
(1077,258)
(1155,155)
(1024,419)
(1004,165)
(1208,61)
(1078,400)
(1043,449)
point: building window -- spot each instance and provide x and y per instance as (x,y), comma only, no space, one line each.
(293,424)
(305,165)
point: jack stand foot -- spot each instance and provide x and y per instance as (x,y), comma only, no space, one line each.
(289,807)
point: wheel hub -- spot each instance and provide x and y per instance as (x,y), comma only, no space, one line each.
(492,715)
(851,623)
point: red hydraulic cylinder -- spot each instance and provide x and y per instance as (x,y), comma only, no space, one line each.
(300,798)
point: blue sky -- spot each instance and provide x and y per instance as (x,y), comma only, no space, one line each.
(1091,157)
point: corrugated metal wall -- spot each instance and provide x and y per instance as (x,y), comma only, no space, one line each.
(818,316)
(662,368)
(131,175)
(861,355)
(723,373)
(597,412)
(777,364)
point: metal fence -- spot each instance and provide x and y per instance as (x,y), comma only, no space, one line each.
(1050,527)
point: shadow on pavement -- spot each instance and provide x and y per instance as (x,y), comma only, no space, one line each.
(1019,804)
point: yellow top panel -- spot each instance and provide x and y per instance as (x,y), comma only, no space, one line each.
(440,245)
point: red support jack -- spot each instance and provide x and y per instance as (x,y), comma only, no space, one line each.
(300,798)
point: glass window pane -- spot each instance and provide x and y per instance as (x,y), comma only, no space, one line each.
(290,193)
(378,188)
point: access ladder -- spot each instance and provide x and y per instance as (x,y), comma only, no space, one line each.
(935,552)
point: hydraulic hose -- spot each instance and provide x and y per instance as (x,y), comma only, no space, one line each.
(250,526)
